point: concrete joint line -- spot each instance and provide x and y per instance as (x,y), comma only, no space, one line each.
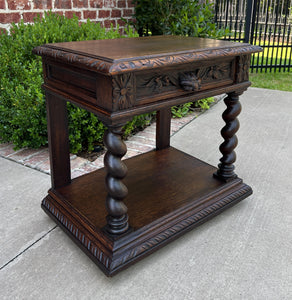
(11,260)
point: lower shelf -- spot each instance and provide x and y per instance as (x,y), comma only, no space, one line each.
(170,192)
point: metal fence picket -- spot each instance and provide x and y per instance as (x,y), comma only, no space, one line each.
(266,23)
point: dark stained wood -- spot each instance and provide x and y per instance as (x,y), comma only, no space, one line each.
(144,46)
(163,123)
(168,170)
(226,167)
(171,192)
(124,115)
(124,55)
(166,83)
(118,218)
(58,141)
(142,73)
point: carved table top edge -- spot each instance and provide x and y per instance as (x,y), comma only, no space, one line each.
(117,66)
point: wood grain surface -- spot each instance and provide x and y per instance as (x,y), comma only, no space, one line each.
(123,55)
(118,218)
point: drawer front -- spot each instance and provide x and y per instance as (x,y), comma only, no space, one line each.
(156,86)
(140,88)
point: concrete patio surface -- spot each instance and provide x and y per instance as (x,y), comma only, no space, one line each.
(244,253)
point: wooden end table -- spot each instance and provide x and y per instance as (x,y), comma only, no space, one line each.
(125,211)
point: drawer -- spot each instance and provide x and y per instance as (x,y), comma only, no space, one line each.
(156,86)
(134,89)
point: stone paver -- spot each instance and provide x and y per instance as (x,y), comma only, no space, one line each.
(4,145)
(37,158)
(23,154)
(78,163)
(98,163)
(131,145)
(44,166)
(143,140)
(8,150)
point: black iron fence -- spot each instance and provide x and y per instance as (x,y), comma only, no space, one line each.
(266,23)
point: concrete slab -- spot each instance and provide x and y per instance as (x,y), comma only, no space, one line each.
(57,269)
(22,220)
(258,232)
(244,253)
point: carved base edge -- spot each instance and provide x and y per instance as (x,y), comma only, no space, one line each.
(112,263)
(78,233)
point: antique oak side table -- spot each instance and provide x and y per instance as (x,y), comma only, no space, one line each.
(127,210)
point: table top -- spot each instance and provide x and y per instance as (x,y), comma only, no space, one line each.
(128,54)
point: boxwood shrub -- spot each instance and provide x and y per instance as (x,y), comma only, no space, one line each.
(178,17)
(22,102)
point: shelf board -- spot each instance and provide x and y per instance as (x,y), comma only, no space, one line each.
(170,192)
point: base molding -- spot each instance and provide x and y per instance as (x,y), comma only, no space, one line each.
(114,253)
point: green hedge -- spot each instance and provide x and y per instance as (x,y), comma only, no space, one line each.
(178,17)
(22,102)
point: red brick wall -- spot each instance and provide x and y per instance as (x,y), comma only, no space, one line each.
(106,12)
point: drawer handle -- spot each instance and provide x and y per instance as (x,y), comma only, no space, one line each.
(189,82)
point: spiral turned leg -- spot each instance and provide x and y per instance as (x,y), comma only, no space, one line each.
(117,219)
(226,168)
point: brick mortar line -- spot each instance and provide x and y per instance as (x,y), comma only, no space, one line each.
(138,151)
(27,157)
(5,147)
(16,151)
(138,143)
(68,10)
(53,3)
(143,137)
(60,9)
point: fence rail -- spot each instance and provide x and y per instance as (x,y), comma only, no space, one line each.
(266,23)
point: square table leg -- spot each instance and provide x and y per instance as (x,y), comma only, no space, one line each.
(163,123)
(58,139)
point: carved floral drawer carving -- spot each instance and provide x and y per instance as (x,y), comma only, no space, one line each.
(154,86)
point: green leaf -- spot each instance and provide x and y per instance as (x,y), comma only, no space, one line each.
(22,102)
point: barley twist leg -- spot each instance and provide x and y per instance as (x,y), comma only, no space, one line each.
(226,168)
(117,218)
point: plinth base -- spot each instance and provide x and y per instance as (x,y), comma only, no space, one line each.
(170,192)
